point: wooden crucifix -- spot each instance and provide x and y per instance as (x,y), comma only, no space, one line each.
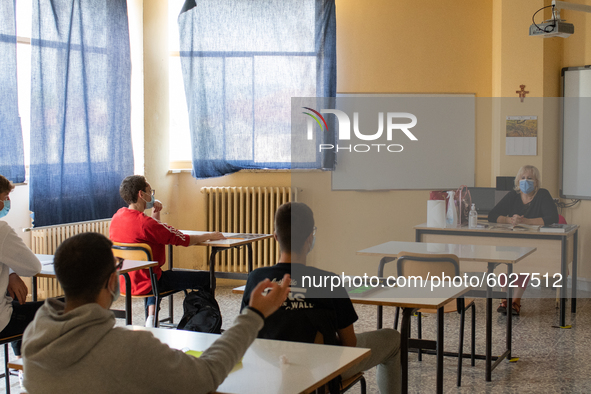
(522,92)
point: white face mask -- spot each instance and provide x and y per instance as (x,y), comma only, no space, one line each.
(149,204)
(115,294)
(313,243)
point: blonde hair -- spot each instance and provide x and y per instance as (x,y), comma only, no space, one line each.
(534,171)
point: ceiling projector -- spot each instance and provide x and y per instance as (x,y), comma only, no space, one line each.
(552,28)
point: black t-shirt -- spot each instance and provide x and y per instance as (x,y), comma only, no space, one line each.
(307,310)
(541,206)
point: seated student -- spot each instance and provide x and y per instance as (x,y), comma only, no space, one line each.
(131,225)
(312,315)
(527,204)
(73,347)
(15,259)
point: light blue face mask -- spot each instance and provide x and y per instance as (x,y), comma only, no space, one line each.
(150,204)
(6,208)
(526,186)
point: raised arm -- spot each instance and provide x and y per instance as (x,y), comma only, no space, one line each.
(179,372)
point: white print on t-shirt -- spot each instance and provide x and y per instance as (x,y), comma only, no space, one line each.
(170,229)
(296,299)
(280,281)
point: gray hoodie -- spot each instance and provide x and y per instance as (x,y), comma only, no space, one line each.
(82,352)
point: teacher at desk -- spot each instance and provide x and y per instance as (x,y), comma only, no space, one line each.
(528,204)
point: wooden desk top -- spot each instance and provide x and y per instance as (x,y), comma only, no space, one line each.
(47,269)
(497,229)
(404,297)
(481,253)
(236,240)
(309,365)
(411,297)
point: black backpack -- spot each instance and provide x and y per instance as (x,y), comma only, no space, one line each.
(201,313)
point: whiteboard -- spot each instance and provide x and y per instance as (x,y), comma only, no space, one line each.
(441,157)
(576,133)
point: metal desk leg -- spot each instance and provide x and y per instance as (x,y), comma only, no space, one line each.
(171,298)
(404,336)
(383,262)
(488,353)
(250,263)
(127,299)
(564,282)
(214,251)
(440,351)
(573,301)
(34,288)
(509,310)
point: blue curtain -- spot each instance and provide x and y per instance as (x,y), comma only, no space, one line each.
(80,109)
(242,62)
(12,157)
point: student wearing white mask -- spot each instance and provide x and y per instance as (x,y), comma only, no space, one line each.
(528,204)
(15,259)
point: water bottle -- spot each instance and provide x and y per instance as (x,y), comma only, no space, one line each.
(473,218)
(452,217)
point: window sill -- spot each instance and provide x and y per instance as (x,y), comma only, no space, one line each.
(264,171)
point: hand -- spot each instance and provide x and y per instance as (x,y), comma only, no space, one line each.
(17,288)
(213,236)
(157,206)
(516,219)
(200,239)
(267,304)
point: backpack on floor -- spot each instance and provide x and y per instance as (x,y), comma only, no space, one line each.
(201,313)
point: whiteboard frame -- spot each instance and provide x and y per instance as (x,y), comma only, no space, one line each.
(561,150)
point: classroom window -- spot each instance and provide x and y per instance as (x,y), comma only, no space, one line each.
(23,64)
(242,69)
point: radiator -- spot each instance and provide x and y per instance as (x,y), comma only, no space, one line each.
(245,210)
(45,240)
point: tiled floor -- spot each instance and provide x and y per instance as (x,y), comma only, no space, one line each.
(551,360)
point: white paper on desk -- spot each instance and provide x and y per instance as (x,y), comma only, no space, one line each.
(436,213)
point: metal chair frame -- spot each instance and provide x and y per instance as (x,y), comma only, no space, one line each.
(155,292)
(461,307)
(6,374)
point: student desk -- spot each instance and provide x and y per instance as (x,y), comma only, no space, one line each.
(552,248)
(493,255)
(224,244)
(309,365)
(47,271)
(410,299)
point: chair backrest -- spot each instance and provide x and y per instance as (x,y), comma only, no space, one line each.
(139,251)
(561,219)
(420,264)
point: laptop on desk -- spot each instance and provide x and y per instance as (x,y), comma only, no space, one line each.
(485,199)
